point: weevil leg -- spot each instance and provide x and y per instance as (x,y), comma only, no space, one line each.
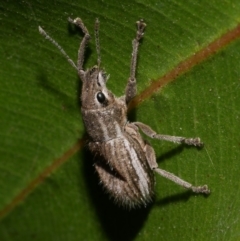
(177,139)
(131,88)
(151,158)
(79,23)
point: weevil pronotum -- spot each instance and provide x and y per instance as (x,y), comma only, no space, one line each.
(124,161)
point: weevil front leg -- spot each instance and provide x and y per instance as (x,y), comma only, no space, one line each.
(79,23)
(177,139)
(151,158)
(131,88)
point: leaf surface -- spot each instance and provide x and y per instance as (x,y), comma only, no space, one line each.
(48,187)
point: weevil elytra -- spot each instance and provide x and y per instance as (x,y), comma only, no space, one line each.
(125,162)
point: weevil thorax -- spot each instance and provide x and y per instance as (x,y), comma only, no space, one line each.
(104,115)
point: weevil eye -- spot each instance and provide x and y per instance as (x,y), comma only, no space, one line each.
(101,97)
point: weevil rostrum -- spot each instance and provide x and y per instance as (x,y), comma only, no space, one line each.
(124,161)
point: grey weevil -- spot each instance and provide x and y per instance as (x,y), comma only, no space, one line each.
(125,162)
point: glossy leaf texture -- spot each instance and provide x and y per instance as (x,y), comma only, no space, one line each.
(48,187)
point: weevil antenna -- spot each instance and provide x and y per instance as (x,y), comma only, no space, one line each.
(58,46)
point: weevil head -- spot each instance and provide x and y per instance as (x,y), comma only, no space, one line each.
(95,94)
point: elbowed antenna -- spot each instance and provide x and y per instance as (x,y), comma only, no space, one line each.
(97,26)
(41,31)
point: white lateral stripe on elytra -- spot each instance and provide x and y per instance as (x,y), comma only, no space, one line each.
(143,184)
(118,129)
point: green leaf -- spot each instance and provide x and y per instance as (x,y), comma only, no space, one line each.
(49,189)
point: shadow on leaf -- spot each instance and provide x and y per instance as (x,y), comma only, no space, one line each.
(118,223)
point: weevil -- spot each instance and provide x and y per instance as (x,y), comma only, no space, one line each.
(124,161)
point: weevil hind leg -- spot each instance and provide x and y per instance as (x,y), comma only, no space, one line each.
(197,189)
(177,139)
(151,158)
(131,88)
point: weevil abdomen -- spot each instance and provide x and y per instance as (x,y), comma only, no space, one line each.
(123,169)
